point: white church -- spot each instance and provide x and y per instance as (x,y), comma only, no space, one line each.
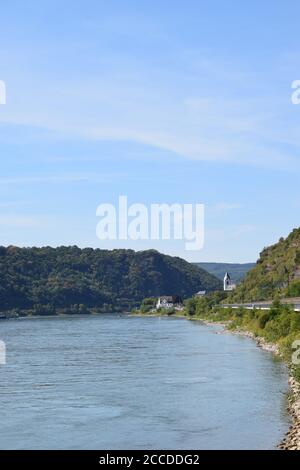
(229,285)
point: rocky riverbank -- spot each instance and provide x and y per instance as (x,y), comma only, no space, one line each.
(292,439)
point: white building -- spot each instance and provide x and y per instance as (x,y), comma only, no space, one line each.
(201,293)
(169,301)
(229,285)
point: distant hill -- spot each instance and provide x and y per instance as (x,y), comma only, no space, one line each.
(237,271)
(73,280)
(277,272)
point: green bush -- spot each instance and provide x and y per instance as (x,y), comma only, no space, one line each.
(293,289)
(190,306)
(148,304)
(263,319)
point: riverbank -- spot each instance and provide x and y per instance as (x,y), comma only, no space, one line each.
(291,440)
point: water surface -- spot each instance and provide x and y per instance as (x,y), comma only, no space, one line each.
(110,382)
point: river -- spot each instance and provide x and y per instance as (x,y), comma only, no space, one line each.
(121,382)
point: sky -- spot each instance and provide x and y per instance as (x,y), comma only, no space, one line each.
(164,102)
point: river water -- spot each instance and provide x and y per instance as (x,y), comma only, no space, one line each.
(120,382)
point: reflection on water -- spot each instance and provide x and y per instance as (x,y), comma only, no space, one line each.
(106,382)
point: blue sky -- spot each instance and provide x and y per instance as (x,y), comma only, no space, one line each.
(161,101)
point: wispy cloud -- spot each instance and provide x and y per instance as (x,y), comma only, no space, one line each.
(227,206)
(189,120)
(19,221)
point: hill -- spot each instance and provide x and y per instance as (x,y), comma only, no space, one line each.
(237,270)
(73,280)
(276,273)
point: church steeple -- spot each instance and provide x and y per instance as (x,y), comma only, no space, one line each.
(228,284)
(226,281)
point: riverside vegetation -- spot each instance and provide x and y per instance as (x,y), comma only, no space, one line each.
(276,330)
(280,325)
(276,276)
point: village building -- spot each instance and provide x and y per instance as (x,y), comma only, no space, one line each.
(169,301)
(201,293)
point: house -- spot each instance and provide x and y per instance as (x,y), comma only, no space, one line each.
(201,293)
(169,301)
(229,285)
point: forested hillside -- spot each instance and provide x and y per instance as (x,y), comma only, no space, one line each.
(277,272)
(73,280)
